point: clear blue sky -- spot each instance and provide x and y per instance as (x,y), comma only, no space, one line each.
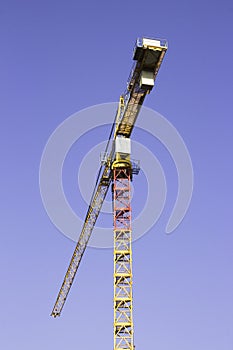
(58,57)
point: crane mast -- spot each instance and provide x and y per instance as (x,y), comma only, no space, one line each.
(117,168)
(123,298)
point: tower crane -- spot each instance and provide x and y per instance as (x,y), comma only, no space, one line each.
(118,168)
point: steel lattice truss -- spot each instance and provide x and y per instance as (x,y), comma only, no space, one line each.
(123,308)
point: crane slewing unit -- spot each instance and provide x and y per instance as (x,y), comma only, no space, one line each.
(117,168)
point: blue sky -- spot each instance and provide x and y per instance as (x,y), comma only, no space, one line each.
(58,57)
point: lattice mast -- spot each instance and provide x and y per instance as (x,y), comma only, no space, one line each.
(123,298)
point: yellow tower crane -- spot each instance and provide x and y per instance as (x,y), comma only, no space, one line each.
(118,169)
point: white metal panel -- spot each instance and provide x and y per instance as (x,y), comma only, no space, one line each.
(150,42)
(147,79)
(122,145)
